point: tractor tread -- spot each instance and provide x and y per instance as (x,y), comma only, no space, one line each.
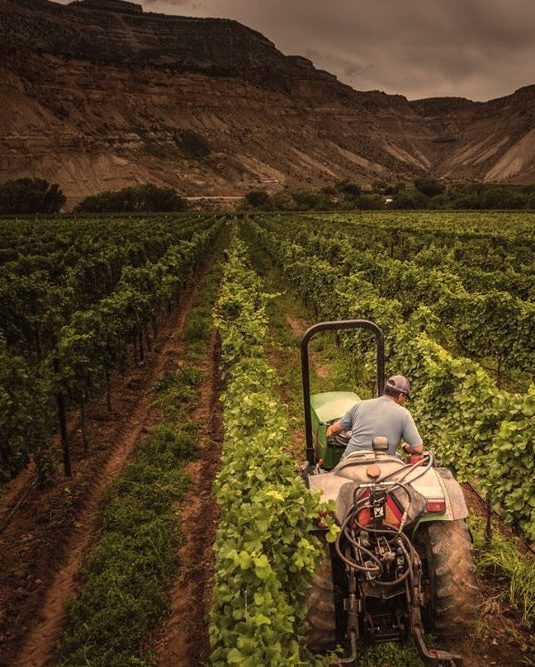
(453,587)
(321,615)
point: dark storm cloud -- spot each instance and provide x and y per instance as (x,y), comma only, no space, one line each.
(419,48)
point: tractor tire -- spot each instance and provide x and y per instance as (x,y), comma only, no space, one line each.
(449,578)
(321,616)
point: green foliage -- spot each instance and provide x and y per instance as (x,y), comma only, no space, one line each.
(429,186)
(502,559)
(348,188)
(258,199)
(410,199)
(26,196)
(306,200)
(23,416)
(82,318)
(370,202)
(264,553)
(510,467)
(426,193)
(147,198)
(391,655)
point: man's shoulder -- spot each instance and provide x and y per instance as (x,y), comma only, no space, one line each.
(394,407)
(370,402)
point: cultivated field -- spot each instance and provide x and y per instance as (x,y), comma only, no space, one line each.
(151,428)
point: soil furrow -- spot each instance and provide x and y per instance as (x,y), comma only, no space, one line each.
(184,639)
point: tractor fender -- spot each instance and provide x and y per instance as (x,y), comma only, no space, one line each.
(454,493)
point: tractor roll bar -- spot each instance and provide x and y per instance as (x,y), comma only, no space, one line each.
(305,367)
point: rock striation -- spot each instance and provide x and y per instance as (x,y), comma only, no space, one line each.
(99,94)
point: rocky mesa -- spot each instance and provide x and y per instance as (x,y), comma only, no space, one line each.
(99,94)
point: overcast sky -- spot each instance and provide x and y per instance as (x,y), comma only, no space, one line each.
(478,49)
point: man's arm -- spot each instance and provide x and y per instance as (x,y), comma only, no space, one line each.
(344,424)
(418,449)
(413,441)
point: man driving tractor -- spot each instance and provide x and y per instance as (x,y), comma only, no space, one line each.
(384,416)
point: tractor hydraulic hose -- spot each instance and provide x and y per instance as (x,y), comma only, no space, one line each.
(376,569)
(401,537)
(344,531)
(409,468)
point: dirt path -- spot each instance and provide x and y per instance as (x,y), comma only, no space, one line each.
(44,545)
(184,640)
(298,327)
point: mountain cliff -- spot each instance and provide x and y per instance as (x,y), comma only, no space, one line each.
(99,94)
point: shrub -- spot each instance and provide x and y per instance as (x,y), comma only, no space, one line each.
(257,199)
(143,198)
(349,188)
(408,199)
(429,187)
(370,202)
(30,195)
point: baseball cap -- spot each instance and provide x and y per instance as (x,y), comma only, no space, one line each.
(399,384)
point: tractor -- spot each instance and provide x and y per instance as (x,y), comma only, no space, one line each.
(402,562)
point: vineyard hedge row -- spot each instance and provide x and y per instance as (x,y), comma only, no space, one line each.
(264,554)
(493,327)
(86,351)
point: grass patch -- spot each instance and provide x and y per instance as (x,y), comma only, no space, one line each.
(127,575)
(199,325)
(176,389)
(391,655)
(503,562)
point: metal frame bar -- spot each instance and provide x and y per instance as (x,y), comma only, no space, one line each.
(305,366)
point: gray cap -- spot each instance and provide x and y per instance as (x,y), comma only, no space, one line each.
(399,384)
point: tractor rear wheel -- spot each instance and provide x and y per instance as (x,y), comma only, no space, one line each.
(321,615)
(449,578)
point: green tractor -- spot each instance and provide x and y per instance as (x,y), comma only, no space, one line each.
(402,563)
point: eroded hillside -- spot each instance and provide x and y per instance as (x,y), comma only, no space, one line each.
(98,94)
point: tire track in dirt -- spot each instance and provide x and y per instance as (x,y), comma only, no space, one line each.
(184,640)
(44,629)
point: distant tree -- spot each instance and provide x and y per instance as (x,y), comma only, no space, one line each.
(465,201)
(429,186)
(25,196)
(145,198)
(258,199)
(348,188)
(407,199)
(306,200)
(502,198)
(283,201)
(440,201)
(370,202)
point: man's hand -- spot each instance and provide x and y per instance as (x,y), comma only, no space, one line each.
(334,429)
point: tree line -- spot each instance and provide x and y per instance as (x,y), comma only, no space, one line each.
(31,196)
(423,193)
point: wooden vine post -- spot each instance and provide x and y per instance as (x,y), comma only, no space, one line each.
(62,416)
